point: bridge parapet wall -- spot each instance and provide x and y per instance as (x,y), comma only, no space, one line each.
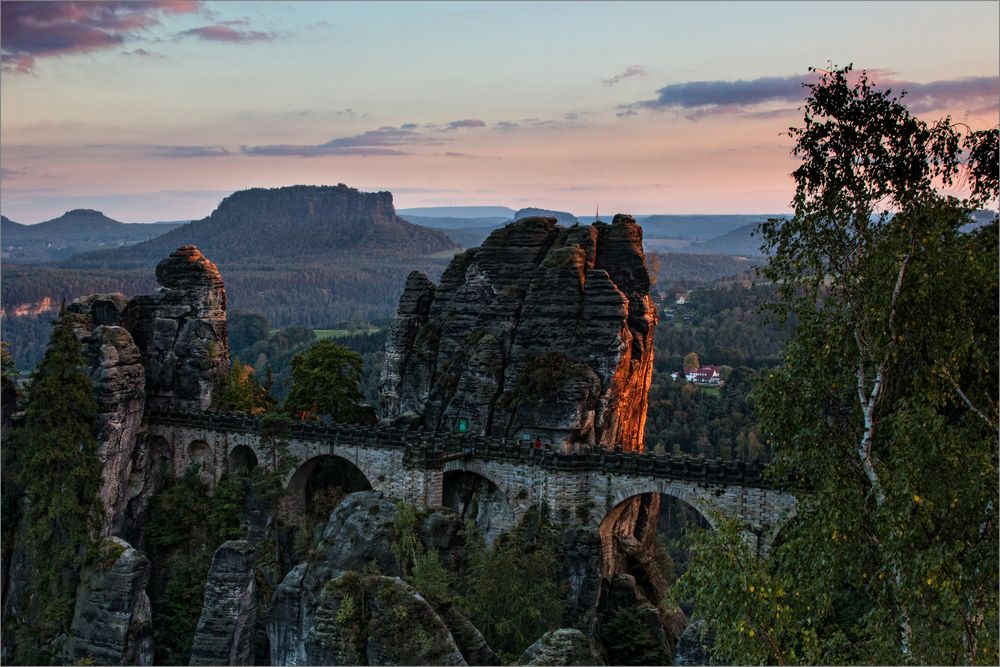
(578,489)
(708,471)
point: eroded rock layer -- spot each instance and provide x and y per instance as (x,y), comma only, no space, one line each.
(544,330)
(181,331)
(225,631)
(112,619)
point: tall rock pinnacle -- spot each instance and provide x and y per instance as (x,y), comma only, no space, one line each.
(181,331)
(544,331)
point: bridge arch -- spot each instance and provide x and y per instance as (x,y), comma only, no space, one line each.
(319,482)
(202,458)
(687,493)
(241,460)
(475,496)
(773,536)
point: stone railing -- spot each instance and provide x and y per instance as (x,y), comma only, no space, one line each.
(431,449)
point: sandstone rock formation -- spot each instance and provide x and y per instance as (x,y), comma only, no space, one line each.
(544,330)
(662,625)
(315,614)
(181,331)
(360,531)
(115,367)
(319,623)
(579,569)
(225,631)
(564,646)
(112,618)
(468,638)
(152,464)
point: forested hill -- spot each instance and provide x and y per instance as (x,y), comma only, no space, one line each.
(306,223)
(79,230)
(739,241)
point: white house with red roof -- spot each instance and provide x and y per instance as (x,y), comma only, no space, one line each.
(704,375)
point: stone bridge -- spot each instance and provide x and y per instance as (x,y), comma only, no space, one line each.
(578,489)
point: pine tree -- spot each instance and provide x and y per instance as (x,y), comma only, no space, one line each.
(60,472)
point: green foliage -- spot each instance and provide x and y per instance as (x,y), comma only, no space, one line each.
(185,527)
(179,512)
(226,509)
(422,569)
(325,383)
(511,593)
(347,612)
(60,473)
(885,404)
(721,423)
(629,640)
(757,614)
(246,329)
(109,552)
(431,578)
(722,323)
(406,546)
(269,353)
(241,392)
(177,608)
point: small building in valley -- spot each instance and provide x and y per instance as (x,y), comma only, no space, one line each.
(704,375)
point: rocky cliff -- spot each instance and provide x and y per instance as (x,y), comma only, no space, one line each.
(327,612)
(225,632)
(181,331)
(544,330)
(111,622)
(116,370)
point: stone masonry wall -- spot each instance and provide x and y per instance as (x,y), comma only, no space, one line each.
(573,497)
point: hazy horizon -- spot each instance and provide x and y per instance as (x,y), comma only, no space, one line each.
(410,210)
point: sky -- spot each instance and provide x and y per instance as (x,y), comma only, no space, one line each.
(156,110)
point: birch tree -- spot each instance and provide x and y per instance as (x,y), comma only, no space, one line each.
(884,411)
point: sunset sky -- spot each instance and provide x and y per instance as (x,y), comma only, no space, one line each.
(156,110)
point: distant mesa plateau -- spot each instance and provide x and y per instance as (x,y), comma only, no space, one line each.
(298,222)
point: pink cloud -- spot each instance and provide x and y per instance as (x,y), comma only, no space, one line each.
(224,32)
(30,30)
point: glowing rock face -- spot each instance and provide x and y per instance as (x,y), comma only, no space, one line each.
(544,331)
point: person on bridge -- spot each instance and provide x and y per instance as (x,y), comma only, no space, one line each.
(538,443)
